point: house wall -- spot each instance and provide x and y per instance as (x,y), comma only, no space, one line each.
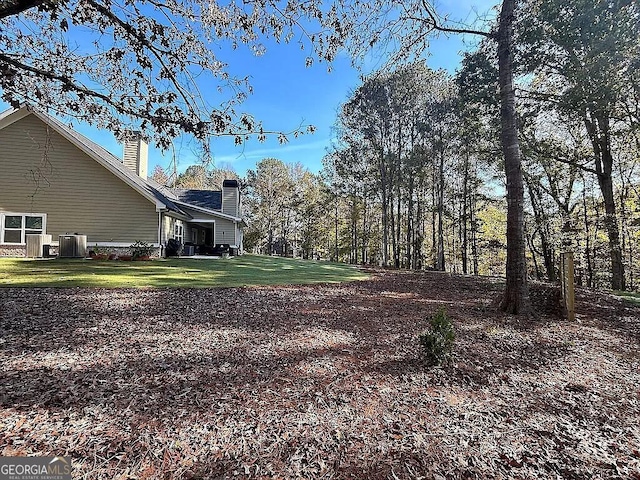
(224,232)
(166,231)
(75,192)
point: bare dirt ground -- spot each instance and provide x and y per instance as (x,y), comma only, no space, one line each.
(318,382)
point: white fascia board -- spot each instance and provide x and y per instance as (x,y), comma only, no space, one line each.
(11,116)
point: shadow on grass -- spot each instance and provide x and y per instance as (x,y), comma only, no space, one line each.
(177,273)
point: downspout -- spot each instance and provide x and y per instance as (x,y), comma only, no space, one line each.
(160,232)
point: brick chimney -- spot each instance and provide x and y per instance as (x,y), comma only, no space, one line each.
(136,153)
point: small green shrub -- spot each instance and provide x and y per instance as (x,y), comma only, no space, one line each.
(141,249)
(437,342)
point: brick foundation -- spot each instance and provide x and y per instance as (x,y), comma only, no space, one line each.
(118,251)
(13,250)
(20,251)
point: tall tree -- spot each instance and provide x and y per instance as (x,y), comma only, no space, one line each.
(411,26)
(159,175)
(586,52)
(516,295)
(270,200)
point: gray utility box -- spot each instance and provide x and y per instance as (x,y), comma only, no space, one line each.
(72,246)
(36,243)
(188,251)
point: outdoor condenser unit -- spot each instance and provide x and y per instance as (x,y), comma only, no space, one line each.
(72,246)
(35,244)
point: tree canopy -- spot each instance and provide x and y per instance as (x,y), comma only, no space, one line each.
(143,64)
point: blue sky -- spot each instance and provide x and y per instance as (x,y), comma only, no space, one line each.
(288,94)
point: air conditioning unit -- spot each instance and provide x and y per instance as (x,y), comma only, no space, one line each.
(72,246)
(35,244)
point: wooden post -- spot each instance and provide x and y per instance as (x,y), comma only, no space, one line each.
(567,284)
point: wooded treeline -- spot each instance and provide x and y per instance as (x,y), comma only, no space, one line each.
(415,177)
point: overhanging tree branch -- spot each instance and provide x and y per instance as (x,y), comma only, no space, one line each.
(9,8)
(434,23)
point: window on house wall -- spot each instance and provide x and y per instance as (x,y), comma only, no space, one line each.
(194,235)
(15,226)
(178,232)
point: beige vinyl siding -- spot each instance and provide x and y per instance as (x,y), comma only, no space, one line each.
(225,231)
(188,236)
(230,201)
(47,174)
(167,229)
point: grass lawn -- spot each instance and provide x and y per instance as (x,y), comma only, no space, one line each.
(231,272)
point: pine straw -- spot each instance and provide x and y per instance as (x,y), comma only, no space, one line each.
(317,382)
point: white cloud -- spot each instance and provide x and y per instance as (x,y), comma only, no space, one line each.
(277,151)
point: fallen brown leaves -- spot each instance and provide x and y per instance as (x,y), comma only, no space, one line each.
(317,382)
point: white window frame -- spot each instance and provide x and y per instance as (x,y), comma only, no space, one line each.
(178,231)
(23,228)
(194,235)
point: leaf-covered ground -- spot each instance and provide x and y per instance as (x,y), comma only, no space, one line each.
(321,381)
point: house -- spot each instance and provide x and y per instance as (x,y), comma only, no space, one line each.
(56,181)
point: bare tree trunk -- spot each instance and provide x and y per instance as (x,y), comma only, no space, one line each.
(398,242)
(542,229)
(365,235)
(599,133)
(392,225)
(419,231)
(532,249)
(516,295)
(473,223)
(587,247)
(434,242)
(410,223)
(337,253)
(440,262)
(385,210)
(465,200)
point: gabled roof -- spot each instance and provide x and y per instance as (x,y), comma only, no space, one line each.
(202,201)
(99,154)
(209,199)
(173,200)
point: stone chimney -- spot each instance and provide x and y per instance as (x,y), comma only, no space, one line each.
(136,154)
(231,197)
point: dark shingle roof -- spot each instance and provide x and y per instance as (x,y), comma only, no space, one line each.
(208,199)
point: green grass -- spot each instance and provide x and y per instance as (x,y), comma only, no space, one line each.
(200,273)
(632,297)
